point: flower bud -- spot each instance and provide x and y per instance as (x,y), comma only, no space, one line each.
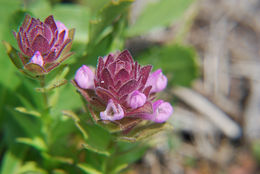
(85,77)
(136,99)
(37,59)
(161,112)
(113,112)
(157,80)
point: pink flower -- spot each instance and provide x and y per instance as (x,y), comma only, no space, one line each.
(122,91)
(43,45)
(37,59)
(161,112)
(157,80)
(113,112)
(136,99)
(85,77)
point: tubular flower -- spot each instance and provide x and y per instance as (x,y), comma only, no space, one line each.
(121,91)
(43,45)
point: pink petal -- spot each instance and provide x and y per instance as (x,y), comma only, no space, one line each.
(37,59)
(61,27)
(113,112)
(136,99)
(85,77)
(157,80)
(162,111)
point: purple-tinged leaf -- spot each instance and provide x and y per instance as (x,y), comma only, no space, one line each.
(50,21)
(125,56)
(41,44)
(100,66)
(26,22)
(35,68)
(122,75)
(109,60)
(106,79)
(105,94)
(127,88)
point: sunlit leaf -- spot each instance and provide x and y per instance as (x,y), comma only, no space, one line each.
(88,169)
(35,142)
(13,158)
(158,14)
(30,112)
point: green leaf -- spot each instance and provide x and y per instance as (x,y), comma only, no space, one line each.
(13,55)
(74,16)
(97,139)
(119,168)
(105,18)
(144,131)
(16,19)
(158,14)
(12,159)
(126,153)
(29,112)
(40,8)
(36,142)
(31,168)
(28,124)
(95,6)
(256,150)
(7,70)
(88,169)
(176,61)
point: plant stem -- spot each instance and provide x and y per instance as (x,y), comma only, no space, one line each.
(44,93)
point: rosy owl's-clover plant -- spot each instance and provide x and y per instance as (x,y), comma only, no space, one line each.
(122,92)
(43,45)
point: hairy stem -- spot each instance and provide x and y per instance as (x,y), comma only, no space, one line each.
(44,92)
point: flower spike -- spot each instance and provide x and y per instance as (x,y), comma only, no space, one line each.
(122,91)
(46,44)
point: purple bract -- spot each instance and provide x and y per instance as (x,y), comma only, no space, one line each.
(123,91)
(43,45)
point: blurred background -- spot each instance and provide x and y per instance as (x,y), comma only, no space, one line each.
(217,120)
(210,52)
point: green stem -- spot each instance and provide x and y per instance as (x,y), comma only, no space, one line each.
(44,93)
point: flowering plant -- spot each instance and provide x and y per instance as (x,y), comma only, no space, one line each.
(43,45)
(122,92)
(45,128)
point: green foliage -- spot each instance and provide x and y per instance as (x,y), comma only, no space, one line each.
(42,124)
(158,14)
(256,150)
(103,27)
(177,61)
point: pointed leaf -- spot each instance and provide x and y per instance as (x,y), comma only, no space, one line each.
(13,54)
(142,132)
(88,168)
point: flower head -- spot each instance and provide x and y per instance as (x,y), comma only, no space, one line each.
(123,91)
(43,45)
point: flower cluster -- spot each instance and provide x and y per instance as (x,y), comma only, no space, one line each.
(43,45)
(121,90)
